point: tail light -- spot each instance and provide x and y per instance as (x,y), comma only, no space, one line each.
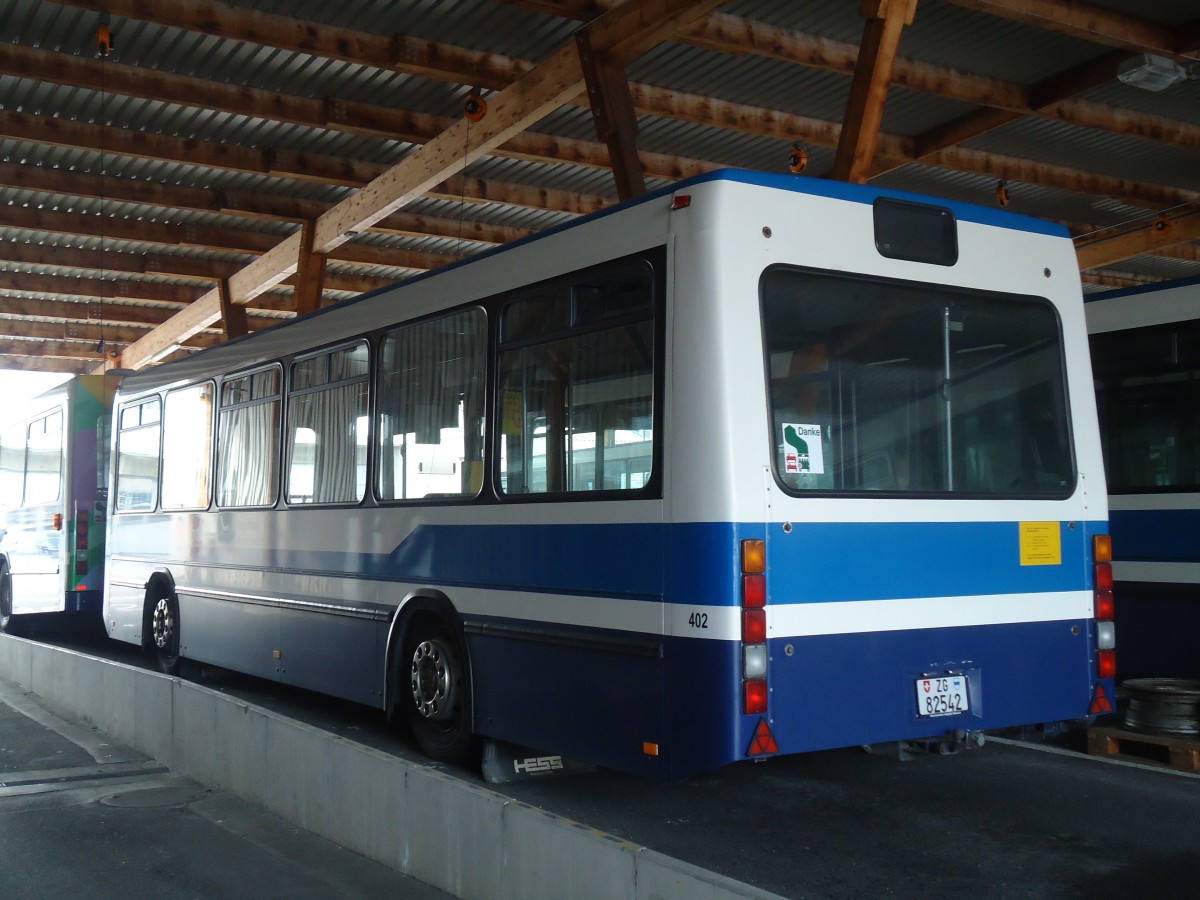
(1104,607)
(81,543)
(754,627)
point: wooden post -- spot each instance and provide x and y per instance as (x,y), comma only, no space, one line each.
(310,272)
(885,21)
(613,115)
(233,315)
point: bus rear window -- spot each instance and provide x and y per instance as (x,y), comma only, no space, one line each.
(902,388)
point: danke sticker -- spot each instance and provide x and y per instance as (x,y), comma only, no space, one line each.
(802,453)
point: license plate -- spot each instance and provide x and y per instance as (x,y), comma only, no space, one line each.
(945,696)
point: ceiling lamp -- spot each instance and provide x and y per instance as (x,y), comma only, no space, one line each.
(1151,73)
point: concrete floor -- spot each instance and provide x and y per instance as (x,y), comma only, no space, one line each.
(82,816)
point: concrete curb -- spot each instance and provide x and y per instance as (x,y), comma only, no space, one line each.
(462,838)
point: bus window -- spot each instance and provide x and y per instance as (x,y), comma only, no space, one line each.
(328,427)
(1150,425)
(248,440)
(12,467)
(894,387)
(43,460)
(187,447)
(137,457)
(431,408)
(577,386)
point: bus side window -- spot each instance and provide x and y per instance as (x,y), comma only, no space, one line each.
(328,427)
(12,467)
(137,456)
(431,408)
(187,447)
(577,385)
(248,440)
(43,460)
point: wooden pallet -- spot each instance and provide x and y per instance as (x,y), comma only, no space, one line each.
(1180,753)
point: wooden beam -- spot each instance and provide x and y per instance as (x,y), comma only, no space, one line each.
(24,363)
(1084,21)
(83,312)
(310,273)
(316,167)
(1109,279)
(90,335)
(335,114)
(233,316)
(194,268)
(720,32)
(198,237)
(541,90)
(613,116)
(885,22)
(399,52)
(1052,91)
(1125,242)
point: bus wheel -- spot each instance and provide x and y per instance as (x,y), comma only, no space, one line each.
(164,634)
(433,685)
(9,623)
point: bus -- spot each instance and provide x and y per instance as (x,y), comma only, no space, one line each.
(1146,358)
(54,503)
(749,466)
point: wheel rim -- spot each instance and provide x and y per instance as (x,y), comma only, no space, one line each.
(433,680)
(162,625)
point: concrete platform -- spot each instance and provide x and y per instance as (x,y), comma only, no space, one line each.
(458,837)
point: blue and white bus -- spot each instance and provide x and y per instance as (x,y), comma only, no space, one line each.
(754,465)
(54,502)
(1146,357)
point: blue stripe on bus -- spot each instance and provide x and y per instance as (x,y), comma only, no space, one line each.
(862,193)
(865,561)
(1161,535)
(815,562)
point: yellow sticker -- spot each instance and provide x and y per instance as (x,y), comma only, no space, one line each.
(514,413)
(1041,544)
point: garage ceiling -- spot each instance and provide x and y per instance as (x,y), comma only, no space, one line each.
(269,156)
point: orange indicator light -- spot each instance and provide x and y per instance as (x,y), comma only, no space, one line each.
(754,557)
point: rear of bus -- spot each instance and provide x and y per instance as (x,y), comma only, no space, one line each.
(901,495)
(53,502)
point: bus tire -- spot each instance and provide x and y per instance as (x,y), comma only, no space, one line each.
(434,687)
(162,616)
(9,623)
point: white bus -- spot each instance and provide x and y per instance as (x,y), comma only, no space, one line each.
(1146,357)
(54,503)
(753,465)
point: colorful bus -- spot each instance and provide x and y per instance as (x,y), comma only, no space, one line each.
(54,503)
(753,465)
(1146,357)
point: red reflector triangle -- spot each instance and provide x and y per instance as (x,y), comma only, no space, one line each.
(1100,701)
(763,741)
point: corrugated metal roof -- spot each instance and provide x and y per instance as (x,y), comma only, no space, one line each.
(946,41)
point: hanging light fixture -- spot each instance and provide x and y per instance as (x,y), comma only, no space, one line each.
(1152,73)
